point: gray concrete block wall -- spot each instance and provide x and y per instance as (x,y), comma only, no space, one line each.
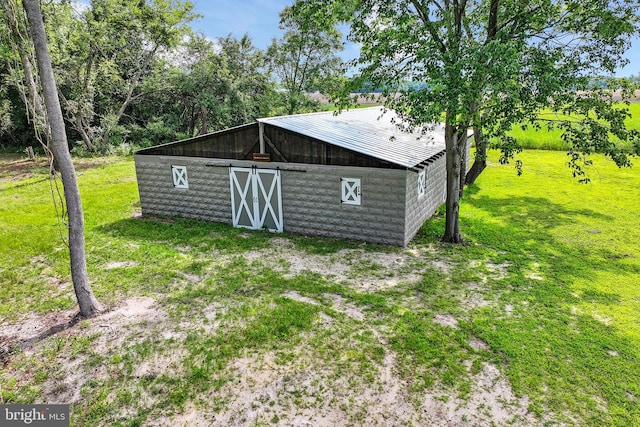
(208,196)
(311,196)
(420,208)
(312,204)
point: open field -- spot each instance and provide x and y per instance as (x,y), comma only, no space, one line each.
(533,322)
(546,139)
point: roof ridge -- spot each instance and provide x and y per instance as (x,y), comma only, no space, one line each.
(317,113)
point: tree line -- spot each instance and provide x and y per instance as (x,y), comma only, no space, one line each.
(134,73)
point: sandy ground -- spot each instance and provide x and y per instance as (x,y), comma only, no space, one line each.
(303,391)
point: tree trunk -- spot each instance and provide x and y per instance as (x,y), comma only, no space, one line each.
(480,161)
(86,300)
(83,133)
(453,157)
(104,141)
(204,120)
(463,164)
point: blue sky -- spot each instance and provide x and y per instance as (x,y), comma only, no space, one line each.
(259,19)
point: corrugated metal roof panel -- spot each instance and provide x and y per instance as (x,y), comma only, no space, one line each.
(367,131)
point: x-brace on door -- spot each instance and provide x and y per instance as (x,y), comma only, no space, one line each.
(256,198)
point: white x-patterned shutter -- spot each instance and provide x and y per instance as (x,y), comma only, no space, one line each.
(422,182)
(179,176)
(351,191)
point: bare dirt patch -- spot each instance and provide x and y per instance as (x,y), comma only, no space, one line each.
(477,344)
(128,319)
(297,297)
(131,320)
(33,329)
(473,295)
(16,166)
(341,305)
(491,402)
(120,264)
(499,271)
(309,391)
(19,167)
(365,271)
(446,320)
(33,325)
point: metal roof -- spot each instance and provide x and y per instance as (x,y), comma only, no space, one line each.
(367,131)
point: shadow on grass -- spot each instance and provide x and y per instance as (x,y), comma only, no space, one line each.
(22,183)
(187,232)
(13,346)
(212,235)
(520,230)
(556,351)
(525,228)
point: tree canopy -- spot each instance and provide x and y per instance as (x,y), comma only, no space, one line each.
(490,65)
(305,58)
(133,73)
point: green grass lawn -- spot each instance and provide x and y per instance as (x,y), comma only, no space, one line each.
(545,139)
(573,281)
(547,290)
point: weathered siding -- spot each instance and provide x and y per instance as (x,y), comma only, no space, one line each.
(235,143)
(311,196)
(420,208)
(241,142)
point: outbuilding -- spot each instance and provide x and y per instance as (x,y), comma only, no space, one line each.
(352,175)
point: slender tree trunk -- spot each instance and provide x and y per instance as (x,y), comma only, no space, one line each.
(204,120)
(83,133)
(453,158)
(480,161)
(104,141)
(86,300)
(463,163)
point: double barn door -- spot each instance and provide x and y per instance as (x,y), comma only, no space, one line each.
(256,198)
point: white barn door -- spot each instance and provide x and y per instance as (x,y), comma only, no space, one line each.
(256,198)
(242,197)
(268,206)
